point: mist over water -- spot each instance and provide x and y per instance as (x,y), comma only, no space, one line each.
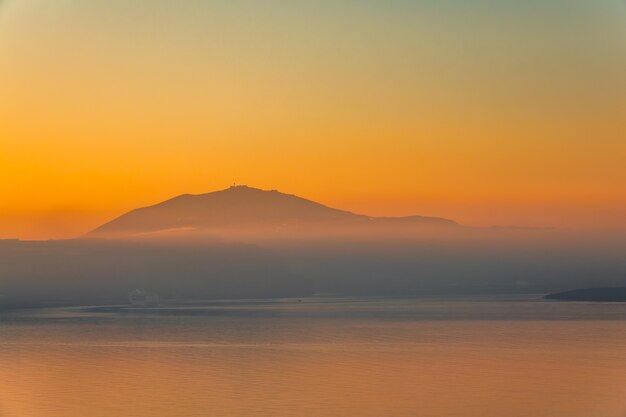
(286,265)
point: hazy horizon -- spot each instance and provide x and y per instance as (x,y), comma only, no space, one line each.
(33,231)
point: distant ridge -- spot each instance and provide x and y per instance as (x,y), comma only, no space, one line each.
(246,208)
(611,294)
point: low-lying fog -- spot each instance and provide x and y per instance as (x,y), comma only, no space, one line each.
(235,264)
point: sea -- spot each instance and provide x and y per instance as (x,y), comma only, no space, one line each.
(496,356)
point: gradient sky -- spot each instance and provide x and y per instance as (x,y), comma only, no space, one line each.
(488,112)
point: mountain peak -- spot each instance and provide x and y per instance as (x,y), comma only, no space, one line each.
(241,208)
(241,188)
(233,189)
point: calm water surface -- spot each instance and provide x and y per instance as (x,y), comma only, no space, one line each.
(318,357)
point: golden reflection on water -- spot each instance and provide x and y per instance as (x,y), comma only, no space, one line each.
(318,367)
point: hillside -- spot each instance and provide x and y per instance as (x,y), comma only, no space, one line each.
(246,208)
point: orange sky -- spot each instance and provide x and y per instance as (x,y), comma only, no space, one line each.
(491,115)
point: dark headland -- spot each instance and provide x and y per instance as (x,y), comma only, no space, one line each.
(591,294)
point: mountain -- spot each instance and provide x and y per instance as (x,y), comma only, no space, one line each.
(614,294)
(244,208)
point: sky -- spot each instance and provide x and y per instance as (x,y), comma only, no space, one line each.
(506,112)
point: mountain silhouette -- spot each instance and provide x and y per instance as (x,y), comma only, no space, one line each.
(246,208)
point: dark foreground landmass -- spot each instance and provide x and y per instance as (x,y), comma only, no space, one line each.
(591,294)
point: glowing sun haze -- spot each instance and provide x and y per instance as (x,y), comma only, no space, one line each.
(487,112)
